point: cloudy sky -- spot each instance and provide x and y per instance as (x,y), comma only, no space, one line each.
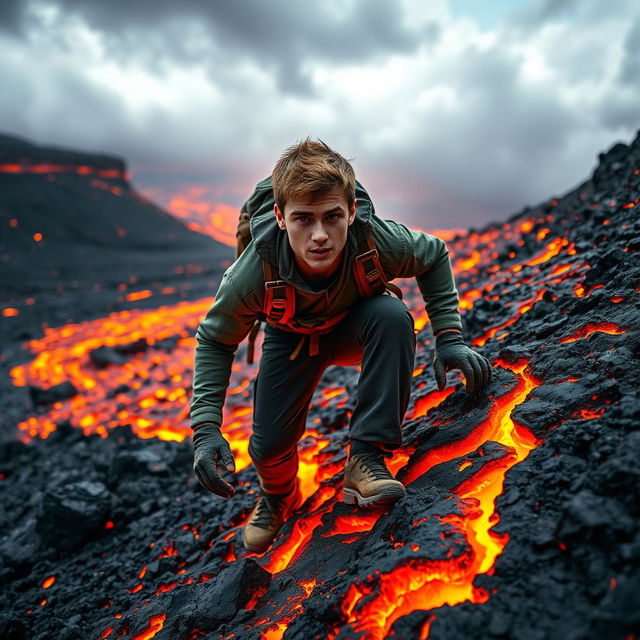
(455,112)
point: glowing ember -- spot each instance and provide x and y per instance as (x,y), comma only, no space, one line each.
(48,582)
(106,633)
(138,295)
(155,624)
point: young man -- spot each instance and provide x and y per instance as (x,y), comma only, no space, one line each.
(317,267)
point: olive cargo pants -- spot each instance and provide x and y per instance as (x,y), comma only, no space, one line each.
(378,333)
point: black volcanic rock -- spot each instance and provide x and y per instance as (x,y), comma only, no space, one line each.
(69,514)
(79,200)
(58,392)
(219,600)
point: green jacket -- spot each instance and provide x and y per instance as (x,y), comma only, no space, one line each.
(240,297)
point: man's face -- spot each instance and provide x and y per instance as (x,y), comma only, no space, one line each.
(317,231)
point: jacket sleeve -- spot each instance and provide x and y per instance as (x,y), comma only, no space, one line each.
(226,324)
(405,253)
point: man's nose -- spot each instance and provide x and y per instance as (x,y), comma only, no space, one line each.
(318,233)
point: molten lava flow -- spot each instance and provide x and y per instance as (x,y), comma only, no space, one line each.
(294,610)
(422,583)
(309,461)
(587,330)
(498,427)
(301,532)
(425,403)
(152,399)
(82,170)
(551,250)
(352,523)
(522,309)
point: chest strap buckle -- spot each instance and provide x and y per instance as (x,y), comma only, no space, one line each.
(279,301)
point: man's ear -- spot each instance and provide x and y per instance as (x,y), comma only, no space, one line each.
(279,216)
(352,212)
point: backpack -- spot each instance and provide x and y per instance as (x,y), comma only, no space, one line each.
(279,300)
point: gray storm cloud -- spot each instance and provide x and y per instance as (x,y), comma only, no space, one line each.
(450,124)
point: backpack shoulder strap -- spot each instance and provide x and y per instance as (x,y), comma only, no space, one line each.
(369,274)
(279,296)
(279,304)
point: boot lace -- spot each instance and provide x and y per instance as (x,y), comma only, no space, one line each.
(269,510)
(373,466)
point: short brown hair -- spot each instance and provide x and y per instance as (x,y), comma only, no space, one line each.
(311,169)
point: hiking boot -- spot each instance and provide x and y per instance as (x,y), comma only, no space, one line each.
(267,517)
(367,481)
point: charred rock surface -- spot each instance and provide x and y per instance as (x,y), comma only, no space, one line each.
(521,514)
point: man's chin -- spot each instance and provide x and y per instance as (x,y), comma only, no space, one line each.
(320,268)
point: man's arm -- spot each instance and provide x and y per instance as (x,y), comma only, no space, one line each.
(405,253)
(226,324)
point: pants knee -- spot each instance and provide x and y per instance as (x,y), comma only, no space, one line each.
(272,451)
(390,315)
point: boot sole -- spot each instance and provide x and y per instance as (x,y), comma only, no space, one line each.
(389,496)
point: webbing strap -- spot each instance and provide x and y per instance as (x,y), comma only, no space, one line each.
(368,271)
(279,296)
(280,301)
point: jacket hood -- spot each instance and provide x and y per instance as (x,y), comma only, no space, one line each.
(272,243)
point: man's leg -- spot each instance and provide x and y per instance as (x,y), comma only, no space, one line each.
(379,333)
(282,394)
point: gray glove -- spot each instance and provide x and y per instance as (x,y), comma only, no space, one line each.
(453,353)
(211,452)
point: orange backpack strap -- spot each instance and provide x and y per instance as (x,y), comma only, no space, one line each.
(280,299)
(279,304)
(369,275)
(279,296)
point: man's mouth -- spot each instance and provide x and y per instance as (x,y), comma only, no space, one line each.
(320,252)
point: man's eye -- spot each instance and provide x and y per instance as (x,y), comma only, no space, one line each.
(334,216)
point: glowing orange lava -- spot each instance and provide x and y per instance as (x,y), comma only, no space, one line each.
(155,624)
(422,583)
(587,330)
(195,205)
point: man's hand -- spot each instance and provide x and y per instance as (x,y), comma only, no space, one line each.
(211,452)
(453,353)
